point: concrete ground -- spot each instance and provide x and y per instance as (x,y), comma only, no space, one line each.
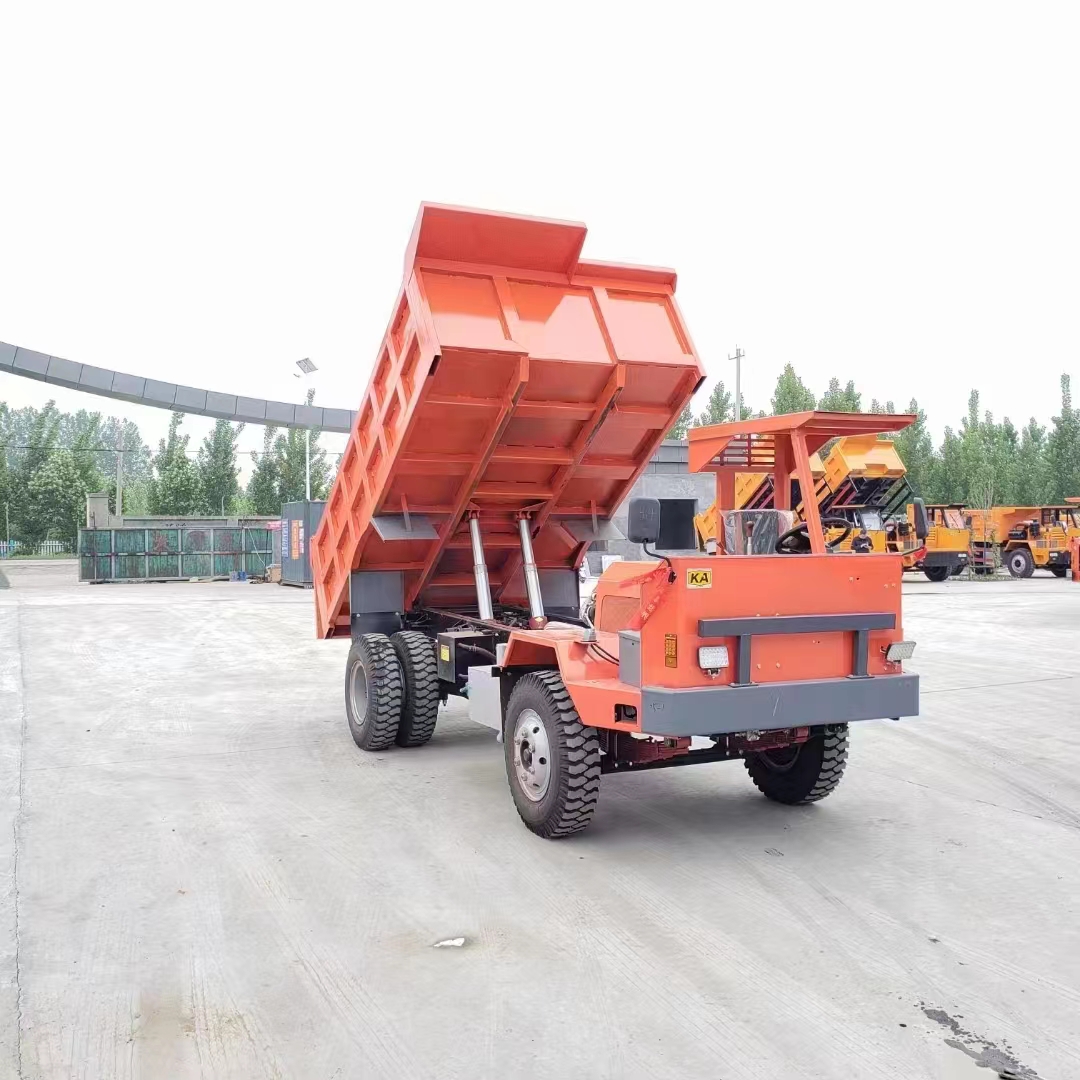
(202,876)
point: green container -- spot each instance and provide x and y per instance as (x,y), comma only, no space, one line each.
(197,541)
(130,567)
(163,541)
(226,564)
(228,541)
(86,567)
(195,566)
(163,566)
(95,541)
(130,542)
(103,568)
(258,540)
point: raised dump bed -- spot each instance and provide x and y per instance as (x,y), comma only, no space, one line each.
(515,379)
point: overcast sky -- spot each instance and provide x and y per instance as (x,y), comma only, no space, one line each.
(206,192)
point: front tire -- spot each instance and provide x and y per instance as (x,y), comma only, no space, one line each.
(1059,571)
(938,573)
(1020,563)
(373,692)
(420,678)
(552,759)
(803,773)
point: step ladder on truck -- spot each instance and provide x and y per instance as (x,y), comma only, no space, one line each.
(519,392)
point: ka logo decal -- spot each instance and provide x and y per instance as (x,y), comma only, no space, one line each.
(699,579)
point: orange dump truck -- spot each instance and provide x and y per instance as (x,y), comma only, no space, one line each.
(1029,538)
(519,392)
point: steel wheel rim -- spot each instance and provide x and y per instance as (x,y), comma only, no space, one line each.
(532,755)
(358,693)
(1018,562)
(783,765)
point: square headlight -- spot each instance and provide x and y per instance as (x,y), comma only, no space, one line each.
(900,650)
(712,657)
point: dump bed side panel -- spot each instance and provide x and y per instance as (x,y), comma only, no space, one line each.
(511,379)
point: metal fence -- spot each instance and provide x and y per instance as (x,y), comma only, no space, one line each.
(9,549)
(172,554)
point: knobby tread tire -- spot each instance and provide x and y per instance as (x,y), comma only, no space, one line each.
(378,728)
(815,774)
(1024,561)
(568,806)
(420,699)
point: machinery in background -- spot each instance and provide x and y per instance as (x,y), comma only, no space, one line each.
(863,482)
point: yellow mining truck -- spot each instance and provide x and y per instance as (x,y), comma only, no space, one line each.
(1029,538)
(863,482)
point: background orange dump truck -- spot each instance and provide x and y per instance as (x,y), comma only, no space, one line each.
(1028,538)
(518,393)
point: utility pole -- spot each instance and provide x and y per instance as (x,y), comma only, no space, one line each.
(739,354)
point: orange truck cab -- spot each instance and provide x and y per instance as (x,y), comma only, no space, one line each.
(518,394)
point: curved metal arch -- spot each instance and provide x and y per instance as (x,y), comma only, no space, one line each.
(166,395)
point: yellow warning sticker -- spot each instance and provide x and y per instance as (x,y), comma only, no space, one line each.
(699,579)
(444,653)
(671,650)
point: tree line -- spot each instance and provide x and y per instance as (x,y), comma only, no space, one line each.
(50,460)
(980,462)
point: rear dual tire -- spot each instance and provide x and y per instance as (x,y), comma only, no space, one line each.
(938,573)
(391,690)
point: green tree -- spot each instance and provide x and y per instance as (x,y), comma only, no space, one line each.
(218,471)
(175,487)
(1063,448)
(1033,484)
(264,487)
(55,500)
(947,483)
(40,442)
(683,424)
(841,399)
(720,408)
(916,450)
(289,449)
(5,471)
(791,393)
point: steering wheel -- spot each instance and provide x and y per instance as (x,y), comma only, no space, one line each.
(796,541)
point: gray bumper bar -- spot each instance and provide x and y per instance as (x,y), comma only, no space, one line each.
(718,710)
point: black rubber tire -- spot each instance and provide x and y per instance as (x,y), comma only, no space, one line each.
(938,573)
(374,720)
(1019,562)
(957,570)
(567,806)
(813,773)
(1059,571)
(420,698)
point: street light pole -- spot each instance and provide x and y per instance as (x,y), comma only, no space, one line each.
(307,367)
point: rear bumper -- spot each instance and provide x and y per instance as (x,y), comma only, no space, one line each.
(720,710)
(944,558)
